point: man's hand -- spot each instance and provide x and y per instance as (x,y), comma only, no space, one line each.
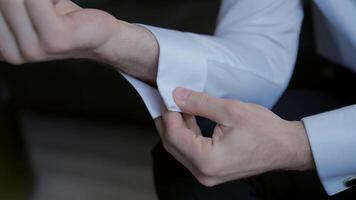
(42,30)
(248,140)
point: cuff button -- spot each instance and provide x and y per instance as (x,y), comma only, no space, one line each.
(351,182)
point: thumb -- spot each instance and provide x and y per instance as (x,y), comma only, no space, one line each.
(200,104)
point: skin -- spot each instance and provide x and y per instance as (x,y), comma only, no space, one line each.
(43,30)
(248,139)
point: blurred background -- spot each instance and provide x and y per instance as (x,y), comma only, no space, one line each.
(76,129)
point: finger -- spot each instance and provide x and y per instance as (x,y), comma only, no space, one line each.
(189,148)
(201,104)
(8,45)
(172,148)
(172,120)
(19,22)
(192,124)
(168,145)
(180,137)
(43,16)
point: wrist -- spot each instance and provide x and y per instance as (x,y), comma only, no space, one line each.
(131,49)
(299,157)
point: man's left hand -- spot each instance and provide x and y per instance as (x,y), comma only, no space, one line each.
(248,139)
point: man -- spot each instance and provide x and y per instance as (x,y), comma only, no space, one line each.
(250,140)
(250,57)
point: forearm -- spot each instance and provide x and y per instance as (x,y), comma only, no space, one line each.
(299,151)
(35,31)
(132,49)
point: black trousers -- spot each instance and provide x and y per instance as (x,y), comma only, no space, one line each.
(174,182)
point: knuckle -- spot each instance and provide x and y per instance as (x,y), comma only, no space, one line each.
(55,41)
(207,171)
(54,45)
(206,181)
(32,54)
(232,108)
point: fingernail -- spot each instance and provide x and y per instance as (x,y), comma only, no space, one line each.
(181,94)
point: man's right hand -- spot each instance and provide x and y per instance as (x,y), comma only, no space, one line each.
(42,30)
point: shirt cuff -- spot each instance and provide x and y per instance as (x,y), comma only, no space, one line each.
(332,138)
(181,63)
(149,95)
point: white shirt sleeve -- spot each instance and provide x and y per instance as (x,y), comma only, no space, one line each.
(250,57)
(332,137)
(335,31)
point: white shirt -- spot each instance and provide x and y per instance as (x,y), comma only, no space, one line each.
(332,135)
(251,56)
